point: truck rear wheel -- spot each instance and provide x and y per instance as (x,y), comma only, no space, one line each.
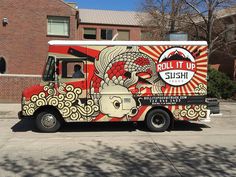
(158,120)
(48,121)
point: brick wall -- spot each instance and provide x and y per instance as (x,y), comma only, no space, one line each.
(24,40)
(11,87)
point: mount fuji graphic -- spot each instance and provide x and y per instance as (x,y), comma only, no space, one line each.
(176,56)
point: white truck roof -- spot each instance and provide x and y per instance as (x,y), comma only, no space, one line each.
(126,43)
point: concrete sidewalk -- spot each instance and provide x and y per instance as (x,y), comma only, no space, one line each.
(228,109)
(10,110)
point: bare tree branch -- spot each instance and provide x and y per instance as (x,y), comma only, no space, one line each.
(204,16)
(197,10)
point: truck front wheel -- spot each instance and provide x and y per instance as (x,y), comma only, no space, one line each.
(47,121)
(158,120)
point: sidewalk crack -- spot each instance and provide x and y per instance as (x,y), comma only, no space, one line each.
(165,155)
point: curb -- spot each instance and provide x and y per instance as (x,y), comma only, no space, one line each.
(9,110)
(9,118)
(216,115)
(8,115)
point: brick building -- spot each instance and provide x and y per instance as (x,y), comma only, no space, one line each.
(25,28)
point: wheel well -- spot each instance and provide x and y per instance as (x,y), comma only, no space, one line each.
(165,109)
(48,108)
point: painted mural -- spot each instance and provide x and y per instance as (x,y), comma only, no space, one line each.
(123,83)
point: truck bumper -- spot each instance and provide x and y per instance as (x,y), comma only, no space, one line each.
(21,116)
(213,105)
(208,118)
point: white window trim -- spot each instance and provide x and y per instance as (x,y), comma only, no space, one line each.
(64,20)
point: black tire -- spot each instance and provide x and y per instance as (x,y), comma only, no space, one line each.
(158,120)
(48,121)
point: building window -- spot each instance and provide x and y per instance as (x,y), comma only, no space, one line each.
(123,35)
(58,26)
(72,69)
(106,34)
(2,65)
(90,33)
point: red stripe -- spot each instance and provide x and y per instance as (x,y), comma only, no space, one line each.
(192,82)
(58,49)
(189,89)
(168,91)
(147,51)
(167,47)
(171,91)
(153,48)
(202,75)
(191,48)
(203,70)
(176,107)
(185,90)
(205,48)
(98,117)
(170,107)
(200,57)
(181,90)
(140,112)
(201,65)
(115,119)
(201,80)
(93,53)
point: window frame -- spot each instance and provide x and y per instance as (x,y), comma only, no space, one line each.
(63,60)
(106,33)
(123,30)
(58,35)
(90,38)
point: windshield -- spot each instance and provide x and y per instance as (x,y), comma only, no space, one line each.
(49,71)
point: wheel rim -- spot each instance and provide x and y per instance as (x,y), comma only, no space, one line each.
(158,120)
(48,121)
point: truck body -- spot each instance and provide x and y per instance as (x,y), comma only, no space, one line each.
(155,82)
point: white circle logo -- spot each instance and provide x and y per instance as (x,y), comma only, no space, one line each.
(176,66)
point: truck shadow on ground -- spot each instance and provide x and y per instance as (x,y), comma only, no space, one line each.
(29,125)
(141,159)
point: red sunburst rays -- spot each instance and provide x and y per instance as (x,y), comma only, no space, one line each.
(201,72)
(153,51)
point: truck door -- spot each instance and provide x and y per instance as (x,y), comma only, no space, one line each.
(72,79)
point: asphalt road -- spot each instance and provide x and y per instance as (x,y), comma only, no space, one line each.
(124,149)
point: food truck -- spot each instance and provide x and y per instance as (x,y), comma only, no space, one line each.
(152,81)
